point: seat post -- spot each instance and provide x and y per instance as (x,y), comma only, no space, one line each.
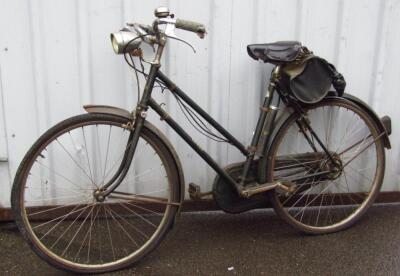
(276,73)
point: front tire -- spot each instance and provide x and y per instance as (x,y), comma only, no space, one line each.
(54,204)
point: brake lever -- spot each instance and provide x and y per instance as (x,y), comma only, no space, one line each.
(179,39)
(170,32)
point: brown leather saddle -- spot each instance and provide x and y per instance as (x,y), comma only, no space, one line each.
(276,53)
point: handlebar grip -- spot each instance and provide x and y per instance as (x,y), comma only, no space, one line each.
(191,26)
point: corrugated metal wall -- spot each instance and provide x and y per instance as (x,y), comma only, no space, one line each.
(56,56)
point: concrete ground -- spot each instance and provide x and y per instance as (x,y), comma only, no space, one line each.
(253,243)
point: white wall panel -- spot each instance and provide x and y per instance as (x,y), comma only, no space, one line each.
(55,56)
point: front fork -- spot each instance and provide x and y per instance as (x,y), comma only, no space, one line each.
(135,128)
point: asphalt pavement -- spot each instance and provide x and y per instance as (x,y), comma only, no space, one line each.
(252,243)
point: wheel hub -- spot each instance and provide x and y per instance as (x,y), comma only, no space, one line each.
(335,167)
(99,195)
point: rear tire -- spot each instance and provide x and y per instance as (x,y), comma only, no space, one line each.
(326,205)
(145,217)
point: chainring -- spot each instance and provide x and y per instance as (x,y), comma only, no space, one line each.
(226,196)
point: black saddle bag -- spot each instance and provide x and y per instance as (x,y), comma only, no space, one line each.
(309,80)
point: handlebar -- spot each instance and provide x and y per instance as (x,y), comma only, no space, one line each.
(153,34)
(191,26)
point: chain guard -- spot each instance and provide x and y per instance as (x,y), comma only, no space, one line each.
(226,196)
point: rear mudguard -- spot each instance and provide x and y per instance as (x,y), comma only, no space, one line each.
(384,124)
(105,109)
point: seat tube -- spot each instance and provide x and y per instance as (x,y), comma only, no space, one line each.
(271,111)
(261,123)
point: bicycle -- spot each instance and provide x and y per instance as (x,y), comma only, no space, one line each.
(99,191)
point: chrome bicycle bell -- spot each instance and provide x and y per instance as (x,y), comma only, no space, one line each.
(161,12)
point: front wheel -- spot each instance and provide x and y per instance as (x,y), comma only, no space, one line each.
(324,203)
(56,202)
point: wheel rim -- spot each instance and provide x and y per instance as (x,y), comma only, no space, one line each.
(62,213)
(330,202)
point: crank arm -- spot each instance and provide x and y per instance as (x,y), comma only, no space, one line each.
(287,186)
(262,188)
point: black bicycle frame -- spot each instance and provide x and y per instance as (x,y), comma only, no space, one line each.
(249,153)
(259,143)
(147,101)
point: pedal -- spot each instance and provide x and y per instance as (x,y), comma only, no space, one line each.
(195,192)
(286,187)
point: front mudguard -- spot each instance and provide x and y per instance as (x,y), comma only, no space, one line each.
(105,109)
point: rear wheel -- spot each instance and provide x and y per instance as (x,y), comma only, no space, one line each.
(57,206)
(333,201)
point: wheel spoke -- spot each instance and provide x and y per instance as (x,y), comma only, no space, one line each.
(76,163)
(87,156)
(120,225)
(337,186)
(70,225)
(58,174)
(62,211)
(77,231)
(109,232)
(105,162)
(361,151)
(133,212)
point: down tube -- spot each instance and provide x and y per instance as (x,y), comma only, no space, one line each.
(171,122)
(174,89)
